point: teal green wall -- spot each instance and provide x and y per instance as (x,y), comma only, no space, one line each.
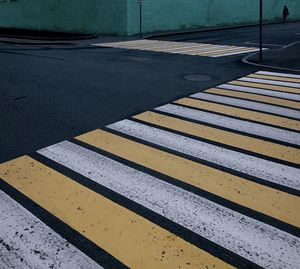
(84,16)
(122,16)
(162,15)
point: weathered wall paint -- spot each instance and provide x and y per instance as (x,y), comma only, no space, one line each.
(162,15)
(83,16)
(122,16)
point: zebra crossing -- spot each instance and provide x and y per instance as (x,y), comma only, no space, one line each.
(194,49)
(211,180)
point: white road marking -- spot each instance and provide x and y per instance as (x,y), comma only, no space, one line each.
(251,239)
(272,82)
(235,53)
(241,162)
(277,74)
(277,110)
(180,47)
(233,124)
(284,95)
(27,243)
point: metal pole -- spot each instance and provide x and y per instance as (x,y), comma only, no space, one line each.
(261,30)
(140,3)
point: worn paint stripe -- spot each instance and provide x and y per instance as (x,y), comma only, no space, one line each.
(251,239)
(130,238)
(275,203)
(195,49)
(248,104)
(230,51)
(213,49)
(278,74)
(284,95)
(234,53)
(256,97)
(26,242)
(260,168)
(294,80)
(272,82)
(183,50)
(265,86)
(241,113)
(225,137)
(205,50)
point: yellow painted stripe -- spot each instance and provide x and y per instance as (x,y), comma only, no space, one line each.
(237,49)
(256,97)
(265,86)
(132,239)
(295,80)
(225,137)
(242,113)
(275,203)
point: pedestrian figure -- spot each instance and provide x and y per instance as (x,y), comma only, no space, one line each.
(285,13)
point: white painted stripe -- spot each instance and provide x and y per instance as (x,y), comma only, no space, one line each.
(241,162)
(27,243)
(272,82)
(276,110)
(233,124)
(251,239)
(217,50)
(277,74)
(234,53)
(204,49)
(285,95)
(179,47)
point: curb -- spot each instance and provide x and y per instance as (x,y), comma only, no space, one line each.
(247,61)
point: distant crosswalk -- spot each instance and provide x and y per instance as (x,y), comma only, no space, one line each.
(198,49)
(211,180)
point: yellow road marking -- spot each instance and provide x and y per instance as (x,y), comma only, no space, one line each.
(256,97)
(237,49)
(225,137)
(133,240)
(269,201)
(295,80)
(265,86)
(242,113)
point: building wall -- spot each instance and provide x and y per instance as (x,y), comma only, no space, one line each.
(162,15)
(83,16)
(122,16)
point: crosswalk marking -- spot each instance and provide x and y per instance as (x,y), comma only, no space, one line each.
(284,75)
(236,232)
(199,49)
(272,82)
(228,110)
(225,137)
(258,197)
(269,77)
(211,180)
(133,240)
(265,86)
(281,95)
(248,104)
(256,97)
(251,128)
(260,168)
(32,244)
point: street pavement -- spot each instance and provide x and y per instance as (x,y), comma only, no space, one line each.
(210,180)
(110,159)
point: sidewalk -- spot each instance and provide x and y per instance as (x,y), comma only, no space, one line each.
(288,57)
